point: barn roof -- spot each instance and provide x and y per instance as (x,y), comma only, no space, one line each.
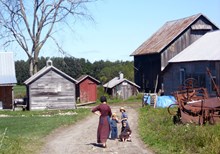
(83,77)
(205,48)
(165,35)
(116,81)
(7,68)
(46,69)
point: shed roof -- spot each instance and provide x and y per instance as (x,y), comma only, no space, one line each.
(46,69)
(165,35)
(205,48)
(7,68)
(117,80)
(83,77)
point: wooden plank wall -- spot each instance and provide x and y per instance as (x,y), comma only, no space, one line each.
(172,75)
(52,91)
(126,90)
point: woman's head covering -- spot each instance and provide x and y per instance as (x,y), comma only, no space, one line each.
(103,99)
(122,109)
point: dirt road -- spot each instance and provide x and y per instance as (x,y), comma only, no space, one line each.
(81,138)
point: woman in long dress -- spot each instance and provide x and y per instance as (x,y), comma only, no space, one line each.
(104,112)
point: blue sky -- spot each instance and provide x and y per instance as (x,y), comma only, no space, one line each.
(122,25)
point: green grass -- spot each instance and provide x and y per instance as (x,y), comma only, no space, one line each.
(22,132)
(160,134)
(19,91)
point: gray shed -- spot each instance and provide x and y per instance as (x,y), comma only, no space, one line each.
(7,80)
(121,87)
(193,62)
(51,88)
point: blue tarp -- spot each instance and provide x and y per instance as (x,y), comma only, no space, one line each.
(162,101)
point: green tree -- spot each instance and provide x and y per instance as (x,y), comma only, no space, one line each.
(75,67)
(21,69)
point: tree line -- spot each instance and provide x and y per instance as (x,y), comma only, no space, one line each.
(75,67)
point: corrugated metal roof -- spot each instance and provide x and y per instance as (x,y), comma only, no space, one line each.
(165,35)
(83,77)
(206,48)
(7,68)
(44,70)
(115,81)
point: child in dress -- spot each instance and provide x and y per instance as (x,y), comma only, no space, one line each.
(114,128)
(124,116)
(125,133)
(124,119)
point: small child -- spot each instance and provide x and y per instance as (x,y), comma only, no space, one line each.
(125,132)
(124,116)
(114,128)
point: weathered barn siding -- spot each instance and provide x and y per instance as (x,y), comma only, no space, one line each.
(174,77)
(190,35)
(146,71)
(151,58)
(50,88)
(120,87)
(52,91)
(193,62)
(124,90)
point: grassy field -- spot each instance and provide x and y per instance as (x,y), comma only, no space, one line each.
(158,131)
(155,128)
(22,132)
(19,91)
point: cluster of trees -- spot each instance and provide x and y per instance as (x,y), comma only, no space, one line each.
(101,70)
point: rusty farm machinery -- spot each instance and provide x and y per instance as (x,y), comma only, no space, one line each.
(194,104)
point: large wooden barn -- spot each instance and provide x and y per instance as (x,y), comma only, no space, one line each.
(51,88)
(120,87)
(193,62)
(87,88)
(153,55)
(7,80)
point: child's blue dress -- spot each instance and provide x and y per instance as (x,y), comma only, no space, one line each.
(114,129)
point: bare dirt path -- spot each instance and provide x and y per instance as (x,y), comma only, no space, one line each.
(80,138)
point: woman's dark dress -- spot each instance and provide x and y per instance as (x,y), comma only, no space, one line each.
(104,125)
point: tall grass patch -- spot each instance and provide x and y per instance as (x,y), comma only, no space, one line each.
(22,132)
(159,133)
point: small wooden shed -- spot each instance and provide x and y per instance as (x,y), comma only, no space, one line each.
(120,87)
(87,88)
(7,80)
(51,88)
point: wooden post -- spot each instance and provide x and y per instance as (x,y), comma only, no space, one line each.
(155,88)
